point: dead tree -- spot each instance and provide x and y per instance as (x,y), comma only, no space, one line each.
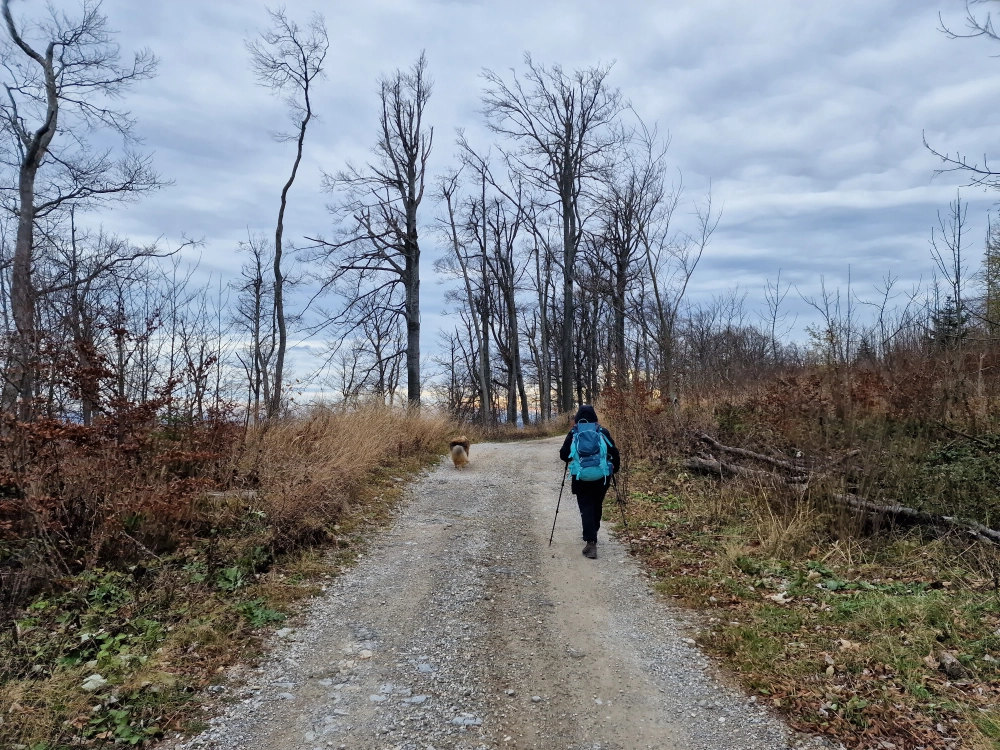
(671,259)
(634,197)
(256,315)
(377,207)
(496,220)
(448,194)
(61,76)
(948,246)
(543,256)
(564,128)
(288,59)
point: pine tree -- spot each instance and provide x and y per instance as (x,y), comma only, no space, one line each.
(948,324)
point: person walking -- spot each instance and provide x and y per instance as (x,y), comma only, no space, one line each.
(593,459)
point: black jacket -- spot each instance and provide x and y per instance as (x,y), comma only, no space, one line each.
(613,454)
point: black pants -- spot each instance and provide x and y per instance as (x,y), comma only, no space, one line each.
(590,498)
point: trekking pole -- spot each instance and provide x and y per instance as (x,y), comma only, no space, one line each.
(621,507)
(565,470)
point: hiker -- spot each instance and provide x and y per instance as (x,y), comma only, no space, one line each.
(593,458)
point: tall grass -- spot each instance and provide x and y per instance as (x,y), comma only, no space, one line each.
(841,621)
(194,544)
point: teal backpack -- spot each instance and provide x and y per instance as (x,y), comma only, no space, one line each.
(588,454)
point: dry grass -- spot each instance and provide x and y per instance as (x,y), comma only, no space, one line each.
(281,510)
(310,469)
(834,620)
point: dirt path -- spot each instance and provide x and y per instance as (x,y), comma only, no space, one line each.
(462,629)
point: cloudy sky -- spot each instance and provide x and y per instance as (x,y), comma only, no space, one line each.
(805,117)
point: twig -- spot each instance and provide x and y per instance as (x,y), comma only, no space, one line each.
(967,436)
(140,545)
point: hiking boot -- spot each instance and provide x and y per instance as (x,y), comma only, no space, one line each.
(590,550)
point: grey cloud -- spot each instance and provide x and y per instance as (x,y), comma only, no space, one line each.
(807,118)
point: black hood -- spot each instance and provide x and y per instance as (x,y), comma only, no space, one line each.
(586,413)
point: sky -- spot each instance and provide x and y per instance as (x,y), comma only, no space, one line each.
(806,119)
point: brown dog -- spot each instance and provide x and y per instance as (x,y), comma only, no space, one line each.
(460,451)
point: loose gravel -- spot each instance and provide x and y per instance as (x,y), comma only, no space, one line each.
(462,629)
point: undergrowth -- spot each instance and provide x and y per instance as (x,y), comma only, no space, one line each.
(118,646)
(877,635)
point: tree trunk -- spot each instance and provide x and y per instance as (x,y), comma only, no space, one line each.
(274,405)
(569,259)
(411,284)
(544,381)
(618,345)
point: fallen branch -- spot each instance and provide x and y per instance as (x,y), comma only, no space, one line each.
(898,512)
(722,469)
(776,462)
(846,457)
(744,453)
(967,436)
(895,512)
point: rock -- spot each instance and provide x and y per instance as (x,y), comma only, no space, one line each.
(950,665)
(285,697)
(94,682)
(467,721)
(536,699)
(416,699)
(284,632)
(377,698)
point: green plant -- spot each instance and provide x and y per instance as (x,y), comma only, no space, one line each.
(230,579)
(258,614)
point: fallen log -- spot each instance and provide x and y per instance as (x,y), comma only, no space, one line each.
(776,462)
(898,512)
(723,469)
(744,453)
(894,511)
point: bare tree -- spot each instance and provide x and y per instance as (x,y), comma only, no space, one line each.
(635,197)
(564,127)
(62,78)
(288,59)
(978,24)
(377,210)
(447,189)
(256,315)
(671,260)
(775,320)
(948,246)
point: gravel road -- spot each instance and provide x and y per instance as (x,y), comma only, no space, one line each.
(462,629)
